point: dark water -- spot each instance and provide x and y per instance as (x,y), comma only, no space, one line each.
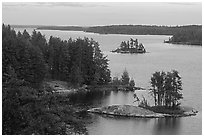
(186,59)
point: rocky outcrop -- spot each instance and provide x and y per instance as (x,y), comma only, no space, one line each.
(133,111)
(63,87)
(126,110)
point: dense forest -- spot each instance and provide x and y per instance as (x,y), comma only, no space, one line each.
(57,59)
(191,34)
(29,107)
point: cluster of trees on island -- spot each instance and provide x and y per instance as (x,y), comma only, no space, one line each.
(166,88)
(166,91)
(131,46)
(124,83)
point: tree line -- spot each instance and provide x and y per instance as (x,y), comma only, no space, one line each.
(128,29)
(32,58)
(190,34)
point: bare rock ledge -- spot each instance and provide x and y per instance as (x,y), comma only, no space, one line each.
(133,111)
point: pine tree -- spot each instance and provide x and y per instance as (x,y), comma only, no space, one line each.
(76,76)
(125,78)
(101,71)
(132,85)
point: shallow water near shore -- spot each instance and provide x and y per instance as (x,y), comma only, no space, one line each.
(161,56)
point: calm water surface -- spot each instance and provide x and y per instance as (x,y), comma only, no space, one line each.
(186,59)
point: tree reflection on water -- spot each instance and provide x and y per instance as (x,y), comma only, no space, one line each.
(166,126)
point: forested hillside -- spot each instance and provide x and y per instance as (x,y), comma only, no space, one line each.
(27,60)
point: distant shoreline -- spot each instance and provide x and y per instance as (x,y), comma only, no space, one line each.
(174,31)
(184,43)
(117,29)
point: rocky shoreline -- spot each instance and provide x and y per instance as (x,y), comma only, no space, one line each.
(135,111)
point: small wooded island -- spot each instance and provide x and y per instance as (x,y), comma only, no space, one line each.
(131,46)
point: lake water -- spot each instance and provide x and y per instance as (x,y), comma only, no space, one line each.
(187,60)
